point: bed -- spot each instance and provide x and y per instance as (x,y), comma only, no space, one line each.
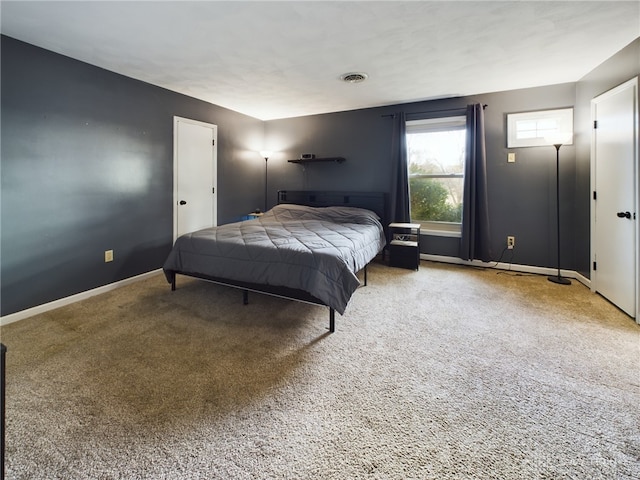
(308,248)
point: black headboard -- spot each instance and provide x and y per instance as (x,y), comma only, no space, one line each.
(374,201)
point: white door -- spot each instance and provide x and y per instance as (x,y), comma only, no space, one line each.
(615,174)
(194,180)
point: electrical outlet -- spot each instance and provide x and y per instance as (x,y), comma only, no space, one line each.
(108,256)
(511,242)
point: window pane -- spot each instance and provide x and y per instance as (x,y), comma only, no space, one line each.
(436,152)
(545,127)
(436,199)
(536,129)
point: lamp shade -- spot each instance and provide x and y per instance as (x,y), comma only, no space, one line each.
(266,153)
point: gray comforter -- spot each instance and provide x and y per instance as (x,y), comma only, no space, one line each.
(317,250)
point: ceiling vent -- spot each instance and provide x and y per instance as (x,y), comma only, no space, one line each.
(354,77)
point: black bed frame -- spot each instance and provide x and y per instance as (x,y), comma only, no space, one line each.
(282,292)
(375,202)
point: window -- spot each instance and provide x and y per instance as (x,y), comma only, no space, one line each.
(533,129)
(436,155)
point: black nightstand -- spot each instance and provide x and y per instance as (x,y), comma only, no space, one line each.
(404,249)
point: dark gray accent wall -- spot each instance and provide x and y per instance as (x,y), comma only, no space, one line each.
(361,136)
(521,195)
(623,66)
(87,166)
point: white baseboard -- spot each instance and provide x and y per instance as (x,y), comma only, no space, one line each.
(509,266)
(21,315)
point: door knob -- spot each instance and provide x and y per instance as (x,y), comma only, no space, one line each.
(182,202)
(624,214)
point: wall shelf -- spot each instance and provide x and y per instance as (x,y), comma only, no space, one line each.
(315,160)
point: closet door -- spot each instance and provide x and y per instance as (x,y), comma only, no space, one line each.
(195,158)
(615,179)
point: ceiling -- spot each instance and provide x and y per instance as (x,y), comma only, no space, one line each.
(284,59)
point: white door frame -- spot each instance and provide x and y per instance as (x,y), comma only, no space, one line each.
(633,83)
(177,119)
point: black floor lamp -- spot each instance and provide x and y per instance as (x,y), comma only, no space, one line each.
(265,154)
(558,278)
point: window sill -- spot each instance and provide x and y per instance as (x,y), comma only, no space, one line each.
(441,229)
(439,233)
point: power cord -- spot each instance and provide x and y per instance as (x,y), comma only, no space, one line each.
(510,261)
(477,267)
(508,271)
(501,271)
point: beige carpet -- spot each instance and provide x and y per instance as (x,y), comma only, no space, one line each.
(446,373)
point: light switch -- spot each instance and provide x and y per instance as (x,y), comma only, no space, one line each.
(511,158)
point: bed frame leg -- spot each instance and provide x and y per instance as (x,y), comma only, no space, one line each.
(245,297)
(332,320)
(365,275)
(173,284)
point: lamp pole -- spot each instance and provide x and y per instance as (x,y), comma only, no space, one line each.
(558,278)
(266,160)
(265,154)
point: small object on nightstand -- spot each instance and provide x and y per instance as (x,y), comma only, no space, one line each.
(255,214)
(404,249)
